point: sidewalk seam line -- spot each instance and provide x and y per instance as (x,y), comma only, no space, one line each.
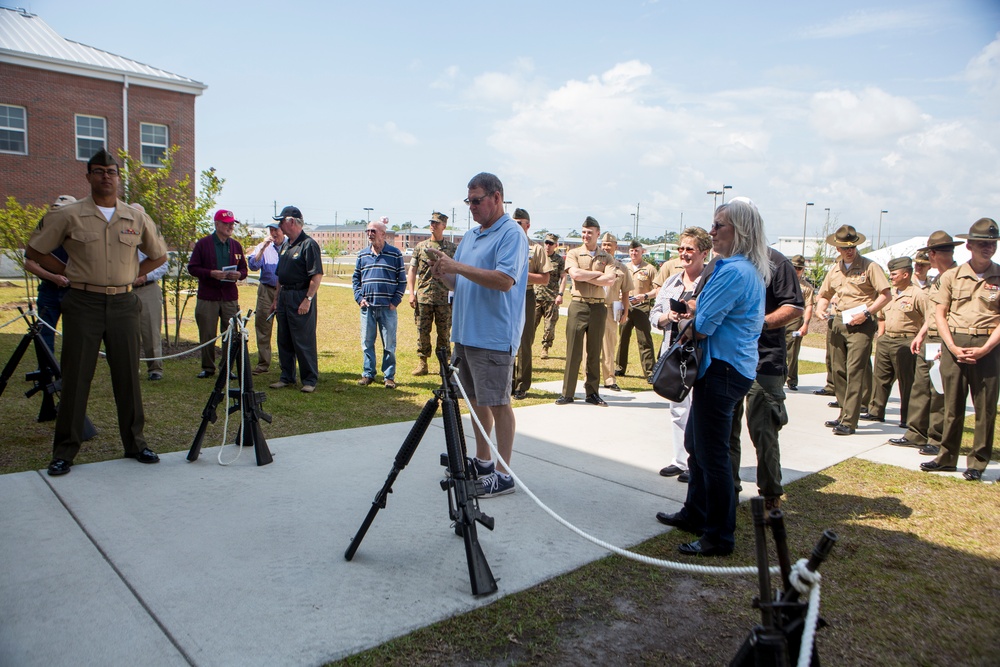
(120,574)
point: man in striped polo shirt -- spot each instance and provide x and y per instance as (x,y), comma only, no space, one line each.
(379,284)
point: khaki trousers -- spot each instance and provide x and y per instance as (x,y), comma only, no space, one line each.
(212,318)
(263,326)
(850,357)
(150,321)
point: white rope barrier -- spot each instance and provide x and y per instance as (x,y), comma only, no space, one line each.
(804,581)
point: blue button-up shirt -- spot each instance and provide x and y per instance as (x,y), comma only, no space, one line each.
(267,265)
(731,313)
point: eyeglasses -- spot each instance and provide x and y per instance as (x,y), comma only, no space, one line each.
(104,172)
(550,243)
(371,231)
(716,226)
(682,248)
(476,201)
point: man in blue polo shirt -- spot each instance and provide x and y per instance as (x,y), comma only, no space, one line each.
(379,283)
(489,274)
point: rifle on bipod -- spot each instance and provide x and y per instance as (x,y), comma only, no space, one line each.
(249,432)
(47,378)
(461,482)
(776,641)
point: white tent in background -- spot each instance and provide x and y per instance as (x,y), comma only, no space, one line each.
(909,248)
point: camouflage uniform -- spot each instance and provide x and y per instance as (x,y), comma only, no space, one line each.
(545,300)
(432,299)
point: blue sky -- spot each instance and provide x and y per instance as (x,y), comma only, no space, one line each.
(585,108)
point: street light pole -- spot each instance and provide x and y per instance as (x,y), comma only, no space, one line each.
(724,188)
(633,221)
(715,199)
(805,218)
(879,241)
(635,234)
(368,213)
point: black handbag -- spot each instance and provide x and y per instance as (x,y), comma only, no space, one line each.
(677,369)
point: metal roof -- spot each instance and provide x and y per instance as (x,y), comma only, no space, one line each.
(26,39)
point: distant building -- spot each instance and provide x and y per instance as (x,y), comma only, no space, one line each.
(62,101)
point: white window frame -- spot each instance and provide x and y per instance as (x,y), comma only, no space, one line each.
(143,143)
(23,130)
(76,132)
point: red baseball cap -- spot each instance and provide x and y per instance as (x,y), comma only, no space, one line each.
(222,215)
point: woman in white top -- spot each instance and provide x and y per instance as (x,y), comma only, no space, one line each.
(693,248)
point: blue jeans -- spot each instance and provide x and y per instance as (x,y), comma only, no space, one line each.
(49,306)
(711,498)
(381,320)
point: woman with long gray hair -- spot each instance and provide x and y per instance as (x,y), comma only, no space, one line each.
(728,319)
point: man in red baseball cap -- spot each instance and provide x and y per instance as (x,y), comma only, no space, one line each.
(217,261)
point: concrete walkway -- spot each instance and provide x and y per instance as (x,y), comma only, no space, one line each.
(200,564)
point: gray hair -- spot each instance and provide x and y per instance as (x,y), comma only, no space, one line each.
(488,182)
(749,239)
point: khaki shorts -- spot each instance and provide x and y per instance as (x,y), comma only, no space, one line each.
(485,374)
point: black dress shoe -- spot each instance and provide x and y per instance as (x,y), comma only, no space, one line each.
(696,548)
(684,477)
(833,404)
(823,392)
(564,400)
(595,399)
(869,417)
(934,466)
(843,429)
(612,387)
(930,450)
(903,442)
(147,455)
(677,521)
(519,395)
(671,471)
(620,374)
(205,374)
(793,387)
(903,425)
(973,475)
(833,423)
(59,467)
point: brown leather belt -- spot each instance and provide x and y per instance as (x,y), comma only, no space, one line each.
(109,290)
(588,300)
(972,331)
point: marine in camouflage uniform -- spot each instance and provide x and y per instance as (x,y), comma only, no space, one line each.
(429,296)
(548,297)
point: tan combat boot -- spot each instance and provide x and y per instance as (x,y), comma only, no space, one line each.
(421,367)
(545,353)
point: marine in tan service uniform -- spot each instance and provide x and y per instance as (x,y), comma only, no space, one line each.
(899,323)
(799,326)
(101,235)
(862,290)
(428,295)
(921,265)
(643,274)
(618,307)
(667,269)
(593,272)
(967,309)
(549,297)
(925,414)
(539,268)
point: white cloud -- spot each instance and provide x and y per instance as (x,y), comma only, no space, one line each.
(866,21)
(983,71)
(872,114)
(447,78)
(392,132)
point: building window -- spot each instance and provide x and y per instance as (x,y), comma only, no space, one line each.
(91,136)
(13,130)
(154,144)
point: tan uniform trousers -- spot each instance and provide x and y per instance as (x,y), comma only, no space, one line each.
(150,321)
(263,326)
(584,328)
(983,380)
(850,357)
(211,316)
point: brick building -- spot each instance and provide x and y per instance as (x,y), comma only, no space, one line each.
(62,101)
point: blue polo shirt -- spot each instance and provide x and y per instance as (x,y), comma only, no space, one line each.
(483,317)
(731,313)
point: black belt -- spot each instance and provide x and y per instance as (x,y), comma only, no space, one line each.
(297,286)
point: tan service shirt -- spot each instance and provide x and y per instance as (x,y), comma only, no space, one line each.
(933,287)
(809,299)
(859,286)
(906,310)
(580,258)
(623,283)
(100,252)
(538,261)
(642,277)
(972,302)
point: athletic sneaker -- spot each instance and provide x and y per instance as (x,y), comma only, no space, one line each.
(495,485)
(484,469)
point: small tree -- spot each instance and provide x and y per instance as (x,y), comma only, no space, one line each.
(182,216)
(16,224)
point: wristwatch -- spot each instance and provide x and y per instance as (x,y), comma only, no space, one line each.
(309,298)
